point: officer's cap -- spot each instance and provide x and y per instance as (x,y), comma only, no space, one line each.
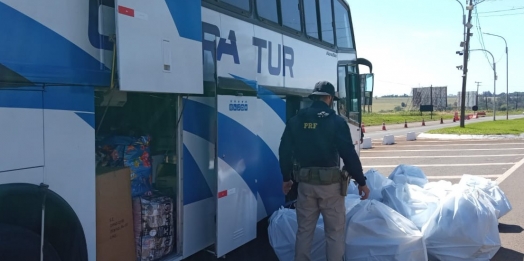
(324,88)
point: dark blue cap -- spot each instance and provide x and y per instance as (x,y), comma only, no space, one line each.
(324,88)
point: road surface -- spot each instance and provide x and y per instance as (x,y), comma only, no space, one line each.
(375,132)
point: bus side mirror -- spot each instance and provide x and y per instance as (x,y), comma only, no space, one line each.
(367,84)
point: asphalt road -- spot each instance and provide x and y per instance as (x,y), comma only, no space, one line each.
(398,129)
(501,160)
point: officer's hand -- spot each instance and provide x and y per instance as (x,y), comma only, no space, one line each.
(364,189)
(286,186)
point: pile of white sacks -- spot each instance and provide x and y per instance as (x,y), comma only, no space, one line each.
(407,218)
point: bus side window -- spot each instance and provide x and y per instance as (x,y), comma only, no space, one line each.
(310,15)
(267,9)
(290,10)
(343,29)
(242,4)
(326,21)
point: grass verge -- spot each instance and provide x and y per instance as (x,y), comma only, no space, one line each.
(499,127)
(376,119)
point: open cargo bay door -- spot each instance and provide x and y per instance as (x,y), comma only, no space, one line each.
(159,46)
(237,153)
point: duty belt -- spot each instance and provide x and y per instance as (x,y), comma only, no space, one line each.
(319,176)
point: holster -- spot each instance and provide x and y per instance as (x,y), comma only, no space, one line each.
(344,182)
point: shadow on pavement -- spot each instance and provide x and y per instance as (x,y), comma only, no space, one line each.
(505,254)
(258,249)
(505,228)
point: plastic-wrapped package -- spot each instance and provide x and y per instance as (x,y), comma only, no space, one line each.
(282,231)
(377,232)
(283,228)
(496,195)
(439,188)
(154,226)
(137,157)
(352,188)
(411,201)
(117,151)
(376,182)
(413,174)
(396,197)
(463,228)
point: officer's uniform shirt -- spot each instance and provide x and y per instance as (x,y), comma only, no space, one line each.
(315,137)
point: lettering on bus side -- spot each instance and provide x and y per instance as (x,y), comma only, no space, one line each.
(238,106)
(286,55)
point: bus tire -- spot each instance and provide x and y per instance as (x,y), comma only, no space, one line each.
(21,244)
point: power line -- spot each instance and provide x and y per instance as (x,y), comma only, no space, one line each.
(502,15)
(481,38)
(518,8)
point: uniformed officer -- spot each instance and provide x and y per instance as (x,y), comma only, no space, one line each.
(317,137)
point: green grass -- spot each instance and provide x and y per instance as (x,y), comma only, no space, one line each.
(375,119)
(498,127)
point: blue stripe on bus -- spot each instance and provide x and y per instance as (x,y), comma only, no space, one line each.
(253,159)
(197,120)
(69,98)
(274,101)
(187,15)
(41,55)
(195,185)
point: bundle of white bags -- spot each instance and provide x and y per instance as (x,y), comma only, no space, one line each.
(408,218)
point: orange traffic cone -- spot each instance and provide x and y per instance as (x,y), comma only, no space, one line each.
(383,126)
(363,128)
(423,122)
(405,123)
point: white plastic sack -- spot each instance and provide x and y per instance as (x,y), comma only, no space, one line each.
(352,188)
(376,182)
(463,228)
(496,195)
(413,174)
(412,202)
(283,229)
(377,232)
(282,232)
(439,188)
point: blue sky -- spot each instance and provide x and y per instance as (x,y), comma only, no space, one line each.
(412,43)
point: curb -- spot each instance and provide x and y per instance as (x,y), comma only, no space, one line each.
(469,137)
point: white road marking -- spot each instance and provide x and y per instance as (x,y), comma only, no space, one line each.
(442,165)
(460,176)
(447,156)
(510,171)
(394,150)
(446,145)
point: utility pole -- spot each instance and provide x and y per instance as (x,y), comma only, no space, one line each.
(465,67)
(477,100)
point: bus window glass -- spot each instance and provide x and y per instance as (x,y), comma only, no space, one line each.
(342,106)
(242,4)
(326,21)
(344,38)
(209,60)
(291,14)
(310,13)
(267,9)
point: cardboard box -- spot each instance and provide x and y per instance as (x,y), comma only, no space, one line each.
(114,215)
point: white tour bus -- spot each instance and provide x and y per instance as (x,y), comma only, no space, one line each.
(212,82)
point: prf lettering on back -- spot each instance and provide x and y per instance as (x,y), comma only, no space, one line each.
(309,125)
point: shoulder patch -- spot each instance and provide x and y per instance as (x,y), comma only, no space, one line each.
(322,114)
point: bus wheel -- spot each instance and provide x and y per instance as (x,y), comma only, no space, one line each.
(21,244)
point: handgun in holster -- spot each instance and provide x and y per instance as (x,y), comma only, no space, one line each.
(344,182)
